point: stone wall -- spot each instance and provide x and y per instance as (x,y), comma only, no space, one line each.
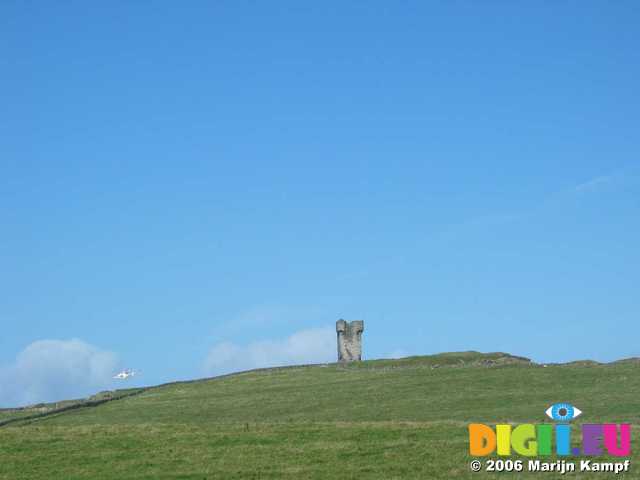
(349,340)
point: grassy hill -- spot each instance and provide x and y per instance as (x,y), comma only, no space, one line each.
(380,419)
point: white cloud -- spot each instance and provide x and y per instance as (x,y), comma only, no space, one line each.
(306,346)
(395,354)
(51,370)
(594,183)
(264,318)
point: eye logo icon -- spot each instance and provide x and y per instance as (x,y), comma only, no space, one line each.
(563,412)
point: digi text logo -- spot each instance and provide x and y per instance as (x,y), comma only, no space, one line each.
(537,440)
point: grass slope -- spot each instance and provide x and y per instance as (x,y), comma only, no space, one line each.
(382,419)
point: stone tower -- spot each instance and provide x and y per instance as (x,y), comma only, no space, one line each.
(349,340)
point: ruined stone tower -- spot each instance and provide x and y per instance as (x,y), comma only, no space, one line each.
(349,340)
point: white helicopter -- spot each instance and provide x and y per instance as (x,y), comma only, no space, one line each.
(123,375)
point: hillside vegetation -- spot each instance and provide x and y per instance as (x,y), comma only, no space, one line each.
(380,419)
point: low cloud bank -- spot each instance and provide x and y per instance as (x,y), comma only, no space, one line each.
(52,370)
(306,346)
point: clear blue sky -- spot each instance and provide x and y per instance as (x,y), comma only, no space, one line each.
(459,174)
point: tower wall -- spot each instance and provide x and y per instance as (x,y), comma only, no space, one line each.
(349,340)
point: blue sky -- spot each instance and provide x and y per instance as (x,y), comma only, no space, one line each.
(187,185)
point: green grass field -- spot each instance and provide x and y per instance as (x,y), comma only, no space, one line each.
(382,419)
